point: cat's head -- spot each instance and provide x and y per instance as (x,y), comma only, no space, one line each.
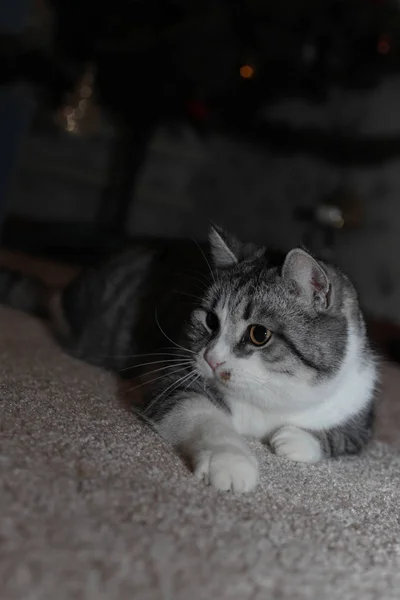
(264,320)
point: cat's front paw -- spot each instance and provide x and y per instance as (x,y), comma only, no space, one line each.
(227,470)
(296,444)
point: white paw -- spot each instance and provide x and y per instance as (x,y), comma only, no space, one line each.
(227,470)
(296,444)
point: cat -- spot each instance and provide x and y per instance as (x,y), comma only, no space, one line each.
(230,342)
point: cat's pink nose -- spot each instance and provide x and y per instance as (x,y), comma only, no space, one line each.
(212,361)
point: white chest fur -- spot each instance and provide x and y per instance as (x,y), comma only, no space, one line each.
(308,406)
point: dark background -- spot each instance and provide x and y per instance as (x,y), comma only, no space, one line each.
(280,121)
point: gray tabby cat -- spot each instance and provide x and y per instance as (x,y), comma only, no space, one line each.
(258,345)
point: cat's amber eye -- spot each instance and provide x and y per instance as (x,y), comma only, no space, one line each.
(259,335)
(212,321)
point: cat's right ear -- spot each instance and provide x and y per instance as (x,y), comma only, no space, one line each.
(309,276)
(225,248)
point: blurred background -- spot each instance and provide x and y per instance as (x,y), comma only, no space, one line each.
(279,121)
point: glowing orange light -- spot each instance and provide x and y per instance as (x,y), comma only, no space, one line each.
(246,71)
(383,46)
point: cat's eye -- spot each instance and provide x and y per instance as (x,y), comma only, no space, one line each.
(212,321)
(259,335)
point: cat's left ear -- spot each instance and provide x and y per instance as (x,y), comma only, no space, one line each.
(309,276)
(225,248)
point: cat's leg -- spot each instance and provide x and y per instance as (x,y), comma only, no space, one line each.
(346,439)
(205,434)
(296,444)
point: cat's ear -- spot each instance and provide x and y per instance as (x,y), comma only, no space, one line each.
(225,248)
(309,276)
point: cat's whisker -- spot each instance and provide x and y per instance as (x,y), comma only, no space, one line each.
(135,387)
(196,375)
(260,379)
(199,298)
(171,348)
(201,274)
(174,385)
(206,259)
(193,381)
(155,362)
(254,378)
(174,354)
(202,285)
(168,338)
(249,398)
(139,413)
(202,280)
(248,391)
(147,373)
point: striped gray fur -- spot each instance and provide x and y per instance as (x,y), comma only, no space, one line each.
(350,438)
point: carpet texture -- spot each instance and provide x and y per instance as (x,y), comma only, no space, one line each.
(94,506)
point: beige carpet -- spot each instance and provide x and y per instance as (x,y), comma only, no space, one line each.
(94,506)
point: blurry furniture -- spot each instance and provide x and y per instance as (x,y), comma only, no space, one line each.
(15,106)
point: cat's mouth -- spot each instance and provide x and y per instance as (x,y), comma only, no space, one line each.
(219,375)
(224,376)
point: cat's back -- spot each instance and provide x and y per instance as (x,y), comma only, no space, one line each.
(112,307)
